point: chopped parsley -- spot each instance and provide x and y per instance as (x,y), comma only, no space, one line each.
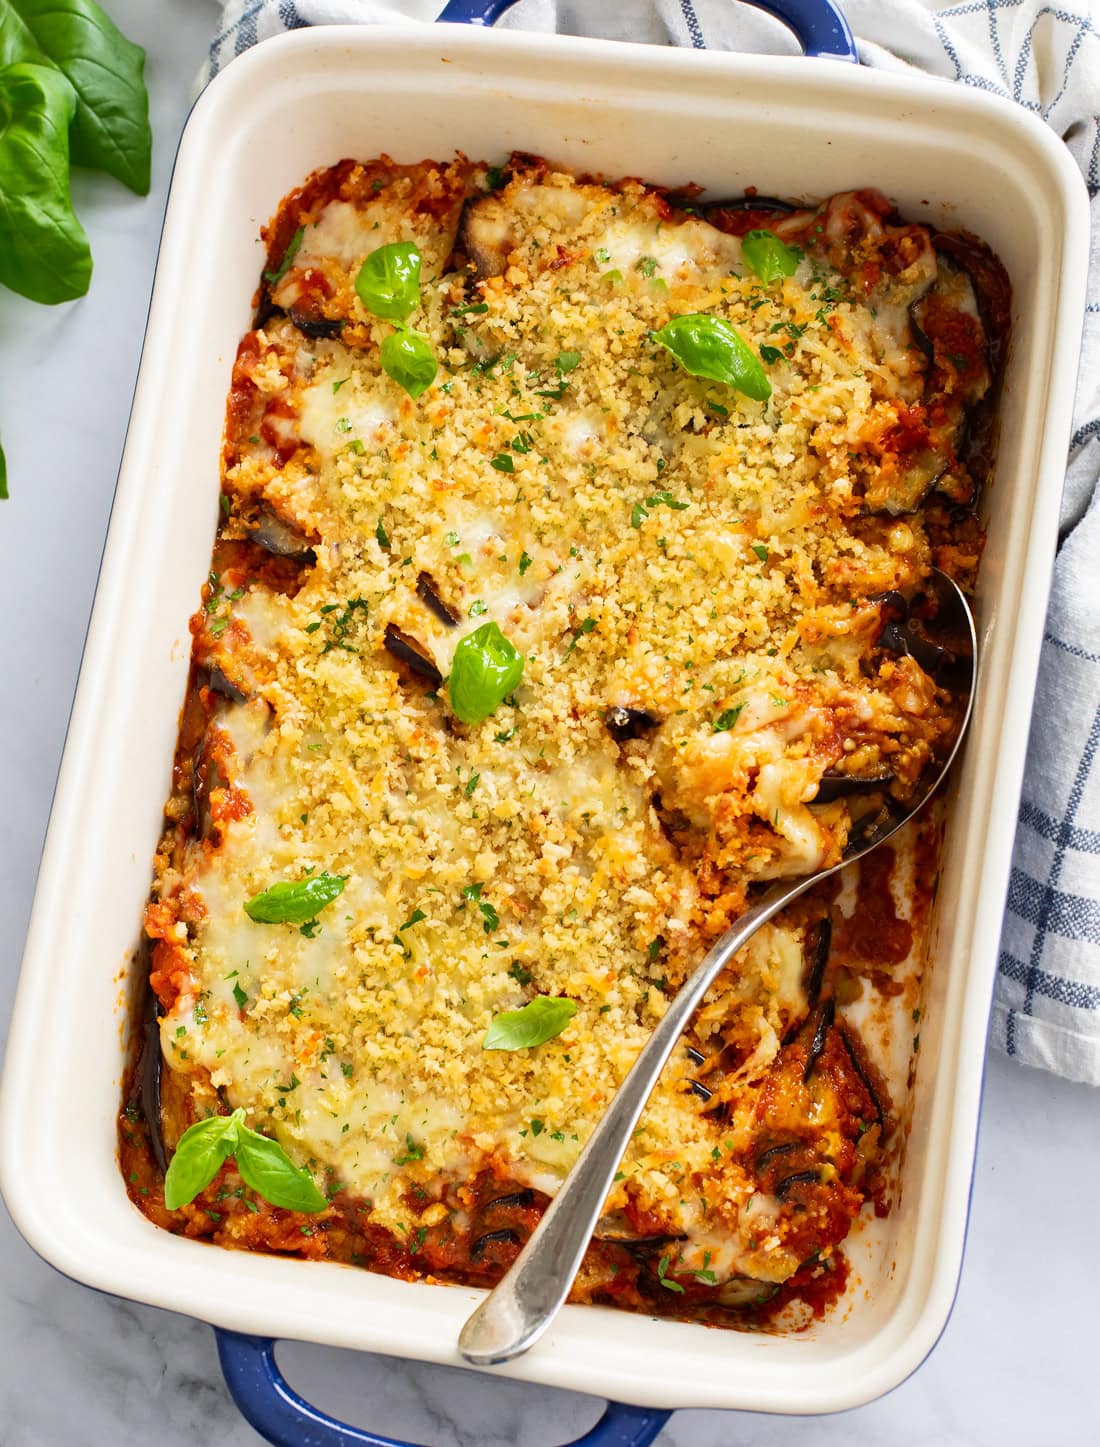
(662,1276)
(726,720)
(578,633)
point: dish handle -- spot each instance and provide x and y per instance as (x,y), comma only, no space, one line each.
(819,26)
(270,1405)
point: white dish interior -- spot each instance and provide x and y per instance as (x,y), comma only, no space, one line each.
(946,154)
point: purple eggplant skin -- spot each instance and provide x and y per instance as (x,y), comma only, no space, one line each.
(821,1032)
(513,1200)
(493,1238)
(145,1090)
(485,235)
(818,952)
(408,650)
(629,723)
(317,328)
(753,203)
(839,786)
(773,1152)
(880,1113)
(275,536)
(221,684)
(428,592)
(800,1178)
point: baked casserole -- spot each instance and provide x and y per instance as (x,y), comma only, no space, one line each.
(567,529)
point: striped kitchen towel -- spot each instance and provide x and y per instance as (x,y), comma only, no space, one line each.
(1046,57)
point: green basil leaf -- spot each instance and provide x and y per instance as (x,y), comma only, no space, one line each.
(709,347)
(297,902)
(389,281)
(408,358)
(44,253)
(267,1168)
(769,257)
(110,130)
(485,670)
(3,474)
(540,1020)
(199,1156)
(273,278)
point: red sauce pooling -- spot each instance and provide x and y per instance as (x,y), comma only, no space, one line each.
(874,933)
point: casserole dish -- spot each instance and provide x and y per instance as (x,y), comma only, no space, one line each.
(604,108)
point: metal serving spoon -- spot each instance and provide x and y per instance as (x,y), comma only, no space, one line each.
(525,1301)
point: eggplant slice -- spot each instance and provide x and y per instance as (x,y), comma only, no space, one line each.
(315,327)
(150,1071)
(411,652)
(270,532)
(945,323)
(428,590)
(505,1236)
(835,786)
(486,234)
(818,943)
(221,684)
(825,1018)
(629,723)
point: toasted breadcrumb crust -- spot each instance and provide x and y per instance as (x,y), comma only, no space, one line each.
(659,548)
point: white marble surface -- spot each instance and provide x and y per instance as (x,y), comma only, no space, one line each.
(1018,1362)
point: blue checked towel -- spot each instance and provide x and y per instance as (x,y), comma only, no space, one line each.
(1046,1011)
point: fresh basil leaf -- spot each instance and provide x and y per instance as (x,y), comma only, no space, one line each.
(540,1020)
(199,1156)
(389,281)
(408,358)
(273,278)
(3,474)
(267,1168)
(768,257)
(44,253)
(485,670)
(110,130)
(709,347)
(295,902)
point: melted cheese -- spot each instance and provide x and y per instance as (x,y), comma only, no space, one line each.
(644,539)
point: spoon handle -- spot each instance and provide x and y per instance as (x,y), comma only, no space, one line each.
(525,1301)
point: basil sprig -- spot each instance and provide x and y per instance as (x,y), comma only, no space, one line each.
(540,1020)
(709,347)
(262,1163)
(388,285)
(768,257)
(295,902)
(388,282)
(408,358)
(485,670)
(71,92)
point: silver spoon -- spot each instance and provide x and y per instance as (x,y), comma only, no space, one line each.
(526,1300)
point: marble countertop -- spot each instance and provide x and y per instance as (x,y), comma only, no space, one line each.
(1017,1363)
